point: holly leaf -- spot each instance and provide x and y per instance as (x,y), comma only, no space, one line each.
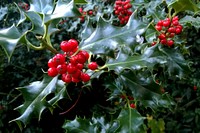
(9,38)
(80,1)
(151,33)
(107,38)
(37,22)
(63,9)
(41,6)
(35,98)
(191,21)
(78,125)
(183,5)
(131,121)
(94,125)
(148,59)
(144,89)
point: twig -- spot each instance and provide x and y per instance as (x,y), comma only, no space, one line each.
(72,105)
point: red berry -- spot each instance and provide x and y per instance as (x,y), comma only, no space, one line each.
(67,78)
(195,88)
(80,9)
(175,23)
(85,53)
(153,43)
(85,77)
(77,74)
(170,43)
(178,30)
(79,66)
(162,36)
(71,68)
(163,41)
(171,30)
(159,28)
(64,46)
(73,60)
(81,58)
(73,44)
(52,72)
(92,66)
(90,12)
(51,63)
(171,35)
(130,98)
(166,23)
(62,68)
(132,105)
(75,80)
(175,18)
(160,23)
(59,59)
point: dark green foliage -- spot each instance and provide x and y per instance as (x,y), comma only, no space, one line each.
(161,82)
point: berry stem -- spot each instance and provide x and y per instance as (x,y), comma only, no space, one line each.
(73,104)
(46,45)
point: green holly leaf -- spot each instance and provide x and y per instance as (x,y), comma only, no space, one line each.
(190,21)
(148,59)
(183,5)
(131,121)
(37,22)
(94,125)
(175,63)
(9,38)
(79,125)
(144,89)
(106,38)
(80,1)
(42,6)
(62,9)
(157,126)
(35,98)
(151,34)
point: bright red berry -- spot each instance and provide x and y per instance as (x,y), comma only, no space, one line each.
(52,72)
(163,41)
(159,28)
(153,43)
(166,23)
(62,68)
(178,30)
(160,23)
(75,80)
(71,68)
(59,59)
(76,74)
(92,66)
(85,77)
(170,43)
(73,44)
(51,63)
(67,78)
(171,30)
(132,105)
(162,36)
(79,66)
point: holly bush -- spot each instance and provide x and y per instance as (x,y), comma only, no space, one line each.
(101,66)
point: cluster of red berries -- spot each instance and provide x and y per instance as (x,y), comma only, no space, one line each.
(168,28)
(132,105)
(122,10)
(70,64)
(24,5)
(89,12)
